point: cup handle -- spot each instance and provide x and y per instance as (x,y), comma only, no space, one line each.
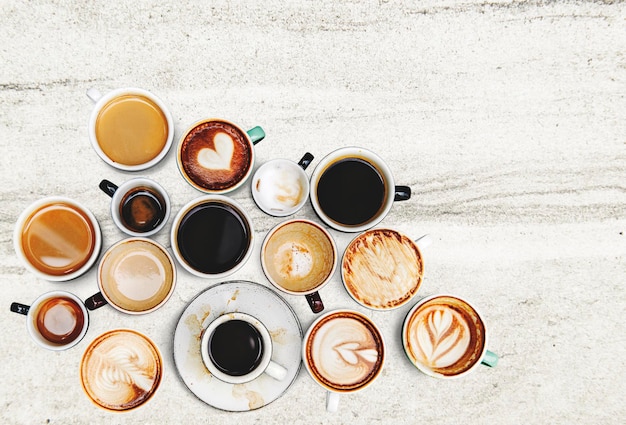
(490,359)
(305,161)
(332,401)
(94,94)
(315,302)
(424,242)
(108,187)
(20,308)
(95,301)
(256,134)
(276,371)
(402,193)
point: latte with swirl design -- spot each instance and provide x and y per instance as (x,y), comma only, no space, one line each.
(444,336)
(344,351)
(121,370)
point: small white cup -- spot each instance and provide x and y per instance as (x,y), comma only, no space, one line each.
(67,312)
(118,195)
(103,100)
(265,365)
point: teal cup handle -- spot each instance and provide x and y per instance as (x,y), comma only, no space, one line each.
(490,359)
(256,134)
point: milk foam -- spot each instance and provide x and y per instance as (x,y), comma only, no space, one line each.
(279,187)
(139,275)
(295,259)
(60,319)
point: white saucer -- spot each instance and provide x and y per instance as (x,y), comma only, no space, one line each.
(258,301)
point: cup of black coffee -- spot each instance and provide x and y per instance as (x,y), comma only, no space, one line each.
(352,189)
(56,320)
(237,348)
(139,207)
(212,236)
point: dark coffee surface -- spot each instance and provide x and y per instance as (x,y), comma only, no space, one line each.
(213,238)
(236,347)
(351,192)
(142,209)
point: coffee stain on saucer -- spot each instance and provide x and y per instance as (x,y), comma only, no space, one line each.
(194,356)
(255,400)
(280,336)
(234,297)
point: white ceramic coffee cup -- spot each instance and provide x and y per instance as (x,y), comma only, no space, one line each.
(57,239)
(118,194)
(391,191)
(102,100)
(68,320)
(266,365)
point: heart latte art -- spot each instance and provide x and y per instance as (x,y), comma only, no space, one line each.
(121,369)
(215,156)
(444,335)
(344,351)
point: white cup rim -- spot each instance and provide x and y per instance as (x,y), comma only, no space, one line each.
(208,199)
(25,214)
(195,185)
(303,177)
(311,223)
(102,101)
(123,189)
(36,336)
(377,162)
(427,370)
(131,240)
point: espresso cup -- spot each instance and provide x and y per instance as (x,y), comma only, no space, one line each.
(445,337)
(237,348)
(212,236)
(56,320)
(135,276)
(299,257)
(352,189)
(382,268)
(344,352)
(57,238)
(130,128)
(139,207)
(217,156)
(121,370)
(280,187)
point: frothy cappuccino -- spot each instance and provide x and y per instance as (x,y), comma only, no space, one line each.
(344,351)
(280,187)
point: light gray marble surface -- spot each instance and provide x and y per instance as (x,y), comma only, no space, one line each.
(506,118)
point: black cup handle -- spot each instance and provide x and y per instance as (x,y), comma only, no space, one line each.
(306,160)
(20,308)
(402,193)
(95,301)
(315,302)
(108,187)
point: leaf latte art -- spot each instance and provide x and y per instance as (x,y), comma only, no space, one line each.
(121,370)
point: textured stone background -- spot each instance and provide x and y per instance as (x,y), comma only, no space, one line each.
(506,118)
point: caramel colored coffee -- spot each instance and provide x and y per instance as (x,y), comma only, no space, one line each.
(59,320)
(298,256)
(136,275)
(382,269)
(58,239)
(121,369)
(344,351)
(131,129)
(445,335)
(215,156)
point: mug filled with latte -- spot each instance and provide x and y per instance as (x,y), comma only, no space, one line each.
(445,337)
(56,320)
(216,155)
(299,257)
(237,348)
(352,189)
(135,276)
(130,128)
(212,236)
(383,269)
(139,207)
(57,238)
(344,352)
